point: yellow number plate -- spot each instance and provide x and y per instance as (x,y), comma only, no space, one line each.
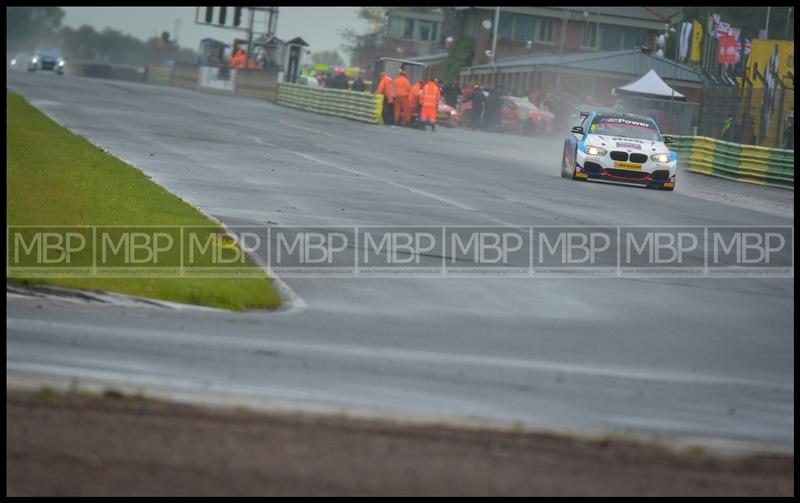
(627,165)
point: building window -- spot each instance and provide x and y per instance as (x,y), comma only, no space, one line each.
(471,24)
(618,38)
(546,31)
(408,29)
(589,35)
(424,30)
(610,39)
(396,27)
(633,37)
(427,30)
(506,25)
(517,27)
(523,28)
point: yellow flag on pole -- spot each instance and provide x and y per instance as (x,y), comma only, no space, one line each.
(697,38)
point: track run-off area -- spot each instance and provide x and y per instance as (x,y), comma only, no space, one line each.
(691,359)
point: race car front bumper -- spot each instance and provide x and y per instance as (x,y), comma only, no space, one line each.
(604,168)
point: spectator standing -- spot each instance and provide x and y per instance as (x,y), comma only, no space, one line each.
(430,102)
(478,101)
(359,85)
(414,97)
(726,128)
(402,88)
(386,88)
(491,116)
(238,60)
(339,81)
(451,93)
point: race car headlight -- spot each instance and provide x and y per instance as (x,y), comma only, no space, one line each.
(660,157)
(34,60)
(595,151)
(60,62)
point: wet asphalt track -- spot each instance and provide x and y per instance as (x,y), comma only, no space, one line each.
(692,358)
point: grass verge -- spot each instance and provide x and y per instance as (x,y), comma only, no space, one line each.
(56,178)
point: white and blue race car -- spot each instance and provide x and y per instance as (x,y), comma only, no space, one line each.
(47,58)
(619,147)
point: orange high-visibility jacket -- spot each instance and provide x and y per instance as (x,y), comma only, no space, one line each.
(386,88)
(401,86)
(430,95)
(238,60)
(414,94)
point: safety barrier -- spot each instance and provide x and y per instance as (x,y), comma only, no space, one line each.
(90,69)
(360,106)
(258,84)
(732,161)
(128,73)
(95,70)
(184,75)
(159,75)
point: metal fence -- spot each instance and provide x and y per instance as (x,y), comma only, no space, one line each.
(749,114)
(673,117)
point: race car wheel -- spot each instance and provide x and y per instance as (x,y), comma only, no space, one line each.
(574,169)
(565,171)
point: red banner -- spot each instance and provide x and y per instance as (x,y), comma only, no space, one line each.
(727,50)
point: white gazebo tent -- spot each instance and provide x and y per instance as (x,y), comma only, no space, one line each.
(649,85)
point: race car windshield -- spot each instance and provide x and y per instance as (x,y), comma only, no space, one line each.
(48,52)
(623,126)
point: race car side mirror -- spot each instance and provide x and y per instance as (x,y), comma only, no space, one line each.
(668,140)
(577,130)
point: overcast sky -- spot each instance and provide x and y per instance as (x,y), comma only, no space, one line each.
(319,26)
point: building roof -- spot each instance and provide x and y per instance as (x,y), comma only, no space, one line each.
(629,62)
(430,58)
(662,14)
(297,41)
(629,11)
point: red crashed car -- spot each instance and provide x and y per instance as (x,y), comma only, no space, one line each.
(522,116)
(447,115)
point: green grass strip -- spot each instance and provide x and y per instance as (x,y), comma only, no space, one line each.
(56,178)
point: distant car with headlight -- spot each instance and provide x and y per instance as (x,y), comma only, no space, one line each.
(20,60)
(47,59)
(619,147)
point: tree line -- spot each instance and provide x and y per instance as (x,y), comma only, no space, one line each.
(29,27)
